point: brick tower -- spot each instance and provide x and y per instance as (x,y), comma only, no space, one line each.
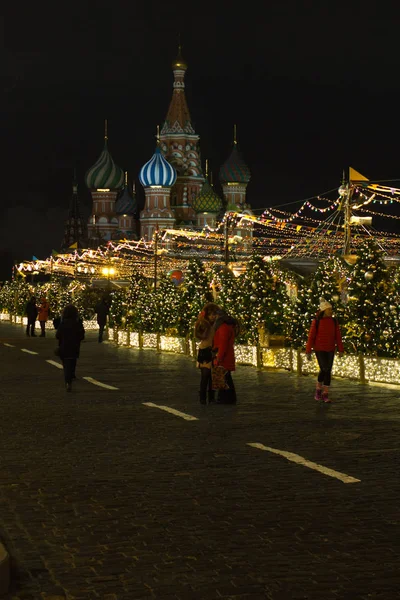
(157,177)
(104,179)
(180,146)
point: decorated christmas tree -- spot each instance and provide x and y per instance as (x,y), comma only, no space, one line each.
(118,308)
(167,306)
(139,299)
(15,295)
(196,293)
(261,301)
(224,286)
(297,318)
(328,281)
(370,318)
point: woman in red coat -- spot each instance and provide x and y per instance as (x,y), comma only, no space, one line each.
(324,336)
(226,328)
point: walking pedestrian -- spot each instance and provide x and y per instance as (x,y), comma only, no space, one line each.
(31,313)
(102,310)
(324,337)
(226,330)
(204,332)
(70,333)
(43,315)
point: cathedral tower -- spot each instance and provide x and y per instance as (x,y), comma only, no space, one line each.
(157,177)
(104,179)
(234,176)
(180,146)
(126,210)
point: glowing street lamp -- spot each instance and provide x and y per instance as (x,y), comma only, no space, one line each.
(108,272)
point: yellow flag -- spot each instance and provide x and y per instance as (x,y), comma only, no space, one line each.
(74,245)
(356,176)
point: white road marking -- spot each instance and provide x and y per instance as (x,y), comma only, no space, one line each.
(306,463)
(28,351)
(56,364)
(9,345)
(104,385)
(177,413)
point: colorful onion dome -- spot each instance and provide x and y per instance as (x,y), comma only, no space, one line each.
(126,203)
(234,170)
(157,171)
(104,174)
(207,200)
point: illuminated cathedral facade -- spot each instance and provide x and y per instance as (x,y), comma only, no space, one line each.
(178,194)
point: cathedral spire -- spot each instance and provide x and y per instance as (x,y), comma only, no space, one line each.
(178,117)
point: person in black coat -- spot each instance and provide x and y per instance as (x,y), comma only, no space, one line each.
(32,313)
(102,310)
(70,333)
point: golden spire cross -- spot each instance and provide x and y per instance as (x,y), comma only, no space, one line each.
(206,168)
(105,129)
(158,134)
(234,135)
(126,178)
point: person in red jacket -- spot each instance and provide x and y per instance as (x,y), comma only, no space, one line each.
(324,336)
(225,331)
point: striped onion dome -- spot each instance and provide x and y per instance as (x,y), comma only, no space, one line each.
(157,171)
(234,169)
(104,173)
(207,200)
(126,203)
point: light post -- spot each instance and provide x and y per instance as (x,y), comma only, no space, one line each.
(108,272)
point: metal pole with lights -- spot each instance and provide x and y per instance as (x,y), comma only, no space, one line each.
(226,244)
(155,237)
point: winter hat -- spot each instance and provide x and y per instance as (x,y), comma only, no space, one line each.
(324,304)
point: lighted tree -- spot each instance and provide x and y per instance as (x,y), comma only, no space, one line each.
(138,300)
(58,296)
(261,299)
(118,308)
(167,306)
(297,318)
(14,296)
(224,286)
(369,318)
(326,283)
(196,293)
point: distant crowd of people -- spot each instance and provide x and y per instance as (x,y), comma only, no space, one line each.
(216,332)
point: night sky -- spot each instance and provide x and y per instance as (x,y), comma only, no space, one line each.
(312,90)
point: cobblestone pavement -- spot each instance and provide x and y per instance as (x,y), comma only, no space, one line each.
(105,497)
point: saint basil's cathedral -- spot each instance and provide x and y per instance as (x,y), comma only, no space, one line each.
(178,193)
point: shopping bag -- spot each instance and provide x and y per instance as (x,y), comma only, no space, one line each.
(218,378)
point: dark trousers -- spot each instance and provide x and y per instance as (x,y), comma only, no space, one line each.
(43,328)
(69,369)
(206,385)
(325,362)
(30,328)
(228,396)
(101,331)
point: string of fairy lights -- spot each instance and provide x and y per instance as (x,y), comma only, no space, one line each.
(273,232)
